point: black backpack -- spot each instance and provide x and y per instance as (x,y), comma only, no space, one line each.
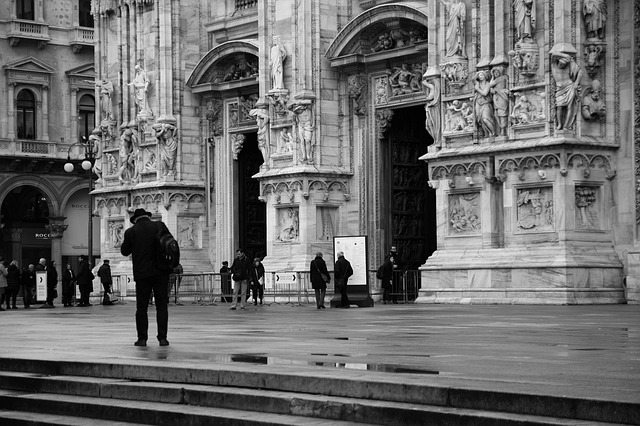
(379,272)
(168,255)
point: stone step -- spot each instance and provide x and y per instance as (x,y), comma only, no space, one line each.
(23,418)
(368,386)
(308,406)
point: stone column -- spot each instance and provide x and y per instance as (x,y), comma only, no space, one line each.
(501,32)
(44,122)
(11,104)
(74,115)
(56,228)
(485,20)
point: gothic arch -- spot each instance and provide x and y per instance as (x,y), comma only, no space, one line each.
(43,185)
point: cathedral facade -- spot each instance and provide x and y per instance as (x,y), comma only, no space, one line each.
(492,142)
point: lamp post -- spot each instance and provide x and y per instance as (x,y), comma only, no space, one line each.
(87,165)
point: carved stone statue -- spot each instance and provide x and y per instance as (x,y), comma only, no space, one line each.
(126,157)
(106,90)
(304,122)
(525,18)
(567,75)
(285,141)
(595,17)
(432,110)
(237,142)
(276,62)
(523,111)
(97,153)
(165,133)
(289,225)
(455,32)
(500,91)
(140,85)
(593,106)
(262,120)
(483,103)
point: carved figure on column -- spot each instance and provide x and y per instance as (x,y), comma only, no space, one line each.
(593,106)
(140,85)
(237,142)
(106,90)
(595,18)
(484,113)
(455,33)
(165,132)
(525,18)
(500,91)
(523,111)
(567,74)
(276,63)
(96,143)
(433,115)
(304,122)
(126,156)
(285,141)
(262,120)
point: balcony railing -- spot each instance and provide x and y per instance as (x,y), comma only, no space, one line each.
(29,30)
(83,35)
(246,4)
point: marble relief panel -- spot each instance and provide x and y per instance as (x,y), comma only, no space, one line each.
(535,210)
(189,232)
(464,213)
(381,86)
(288,229)
(587,208)
(115,233)
(458,117)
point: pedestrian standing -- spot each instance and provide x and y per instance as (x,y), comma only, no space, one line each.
(225,281)
(240,270)
(68,286)
(28,282)
(342,271)
(85,282)
(3,282)
(387,279)
(257,281)
(319,279)
(107,281)
(140,242)
(13,284)
(52,283)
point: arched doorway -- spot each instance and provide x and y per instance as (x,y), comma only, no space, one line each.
(25,214)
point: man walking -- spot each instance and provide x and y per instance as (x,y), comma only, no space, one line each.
(140,242)
(85,282)
(106,280)
(342,272)
(240,270)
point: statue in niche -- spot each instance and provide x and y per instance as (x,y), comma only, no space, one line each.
(165,133)
(592,54)
(535,209)
(112,165)
(484,113)
(140,85)
(237,142)
(304,122)
(523,111)
(150,164)
(106,90)
(116,234)
(357,92)
(525,18)
(384,42)
(455,33)
(289,225)
(188,233)
(404,80)
(455,73)
(567,75)
(126,157)
(586,217)
(262,120)
(247,103)
(595,18)
(234,73)
(500,91)
(96,143)
(459,117)
(593,106)
(277,57)
(213,115)
(432,110)
(399,36)
(285,141)
(326,227)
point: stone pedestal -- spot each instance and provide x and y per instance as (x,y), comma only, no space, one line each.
(632,284)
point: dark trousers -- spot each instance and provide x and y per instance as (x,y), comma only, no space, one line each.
(320,293)
(12,294)
(344,299)
(67,293)
(85,292)
(106,300)
(27,296)
(257,290)
(160,286)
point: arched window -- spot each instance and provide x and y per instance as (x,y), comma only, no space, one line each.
(25,10)
(26,115)
(86,116)
(85,18)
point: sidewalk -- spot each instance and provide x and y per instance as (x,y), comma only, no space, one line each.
(582,351)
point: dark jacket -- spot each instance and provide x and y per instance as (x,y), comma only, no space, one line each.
(85,276)
(257,272)
(105,274)
(29,278)
(317,268)
(52,276)
(13,277)
(140,242)
(241,268)
(342,270)
(387,273)
(68,277)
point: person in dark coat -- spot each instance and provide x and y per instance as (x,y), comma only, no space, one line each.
(140,242)
(52,283)
(342,271)
(257,281)
(68,286)
(107,281)
(13,284)
(28,285)
(85,282)
(319,279)
(387,280)
(225,281)
(240,272)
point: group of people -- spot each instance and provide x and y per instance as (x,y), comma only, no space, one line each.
(15,282)
(246,275)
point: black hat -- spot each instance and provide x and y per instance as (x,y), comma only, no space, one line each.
(106,261)
(138,213)
(225,263)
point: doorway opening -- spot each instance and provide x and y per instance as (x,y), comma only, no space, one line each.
(252,213)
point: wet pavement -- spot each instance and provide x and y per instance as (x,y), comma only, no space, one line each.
(583,351)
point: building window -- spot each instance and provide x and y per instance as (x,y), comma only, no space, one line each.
(85,18)
(25,10)
(26,115)
(86,116)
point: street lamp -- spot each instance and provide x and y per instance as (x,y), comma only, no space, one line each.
(87,164)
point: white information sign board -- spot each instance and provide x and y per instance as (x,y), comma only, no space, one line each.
(41,286)
(355,251)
